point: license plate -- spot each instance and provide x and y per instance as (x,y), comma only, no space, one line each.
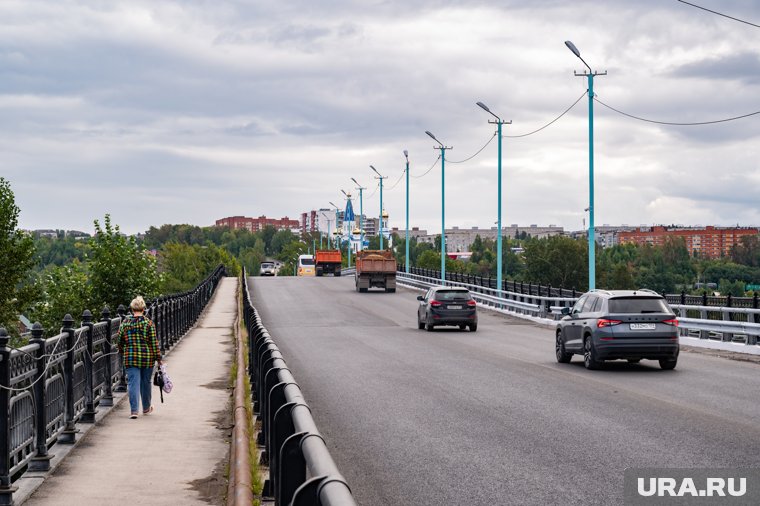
(455,307)
(642,326)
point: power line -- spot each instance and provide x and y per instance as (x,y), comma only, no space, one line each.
(477,152)
(431,168)
(552,121)
(674,123)
(720,14)
(397,181)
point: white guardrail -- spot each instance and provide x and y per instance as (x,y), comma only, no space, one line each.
(727,329)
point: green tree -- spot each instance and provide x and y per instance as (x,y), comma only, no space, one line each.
(17,253)
(64,290)
(119,268)
(556,261)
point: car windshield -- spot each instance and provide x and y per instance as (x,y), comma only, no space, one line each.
(267,266)
(307,261)
(452,295)
(639,305)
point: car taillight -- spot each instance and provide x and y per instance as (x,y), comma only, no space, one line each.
(673,322)
(472,303)
(435,303)
(607,323)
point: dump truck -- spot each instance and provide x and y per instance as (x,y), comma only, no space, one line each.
(328,261)
(375,268)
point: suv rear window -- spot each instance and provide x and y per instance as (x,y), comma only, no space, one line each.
(638,305)
(452,295)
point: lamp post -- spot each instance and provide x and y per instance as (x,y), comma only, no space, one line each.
(361,212)
(443,205)
(499,122)
(337,211)
(328,229)
(406,258)
(591,240)
(381,203)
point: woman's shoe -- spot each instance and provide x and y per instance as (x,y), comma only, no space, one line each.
(133,416)
(148,411)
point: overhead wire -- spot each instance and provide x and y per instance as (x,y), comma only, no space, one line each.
(719,13)
(477,152)
(674,123)
(426,172)
(551,122)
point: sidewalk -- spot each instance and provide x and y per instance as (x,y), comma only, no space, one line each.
(178,454)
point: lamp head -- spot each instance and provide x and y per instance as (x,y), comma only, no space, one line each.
(432,136)
(572,48)
(355,181)
(406,154)
(483,106)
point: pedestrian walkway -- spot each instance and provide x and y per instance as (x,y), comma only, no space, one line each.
(175,456)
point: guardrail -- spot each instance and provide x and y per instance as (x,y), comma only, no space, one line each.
(50,385)
(541,306)
(301,470)
(720,323)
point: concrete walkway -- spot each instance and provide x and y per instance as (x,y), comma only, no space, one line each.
(174,456)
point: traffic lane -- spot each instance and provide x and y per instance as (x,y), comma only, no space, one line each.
(446,421)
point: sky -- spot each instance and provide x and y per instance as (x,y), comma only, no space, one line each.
(194,110)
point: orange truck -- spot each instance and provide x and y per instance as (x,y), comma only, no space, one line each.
(375,268)
(328,261)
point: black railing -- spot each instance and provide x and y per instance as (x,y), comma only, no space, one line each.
(50,385)
(552,291)
(301,470)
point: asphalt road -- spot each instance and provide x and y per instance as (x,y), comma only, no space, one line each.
(489,418)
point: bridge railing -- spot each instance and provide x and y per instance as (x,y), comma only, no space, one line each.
(301,469)
(50,385)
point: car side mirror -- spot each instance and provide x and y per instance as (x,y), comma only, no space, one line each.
(565,310)
(420,298)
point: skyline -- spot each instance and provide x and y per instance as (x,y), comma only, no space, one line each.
(186,112)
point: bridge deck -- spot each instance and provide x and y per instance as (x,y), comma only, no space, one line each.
(177,454)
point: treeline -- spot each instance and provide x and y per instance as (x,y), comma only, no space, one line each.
(563,262)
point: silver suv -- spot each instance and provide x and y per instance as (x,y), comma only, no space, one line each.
(621,324)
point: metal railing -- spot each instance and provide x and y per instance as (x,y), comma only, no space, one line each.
(301,469)
(50,385)
(728,324)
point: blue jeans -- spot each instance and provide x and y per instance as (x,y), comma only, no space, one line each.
(139,384)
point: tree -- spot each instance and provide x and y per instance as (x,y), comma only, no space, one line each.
(65,290)
(557,261)
(119,268)
(17,253)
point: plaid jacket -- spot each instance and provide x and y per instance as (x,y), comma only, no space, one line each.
(138,343)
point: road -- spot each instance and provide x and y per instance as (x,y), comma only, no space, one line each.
(489,418)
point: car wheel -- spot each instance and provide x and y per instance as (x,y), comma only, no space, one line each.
(473,327)
(462,326)
(634,360)
(563,357)
(589,355)
(668,364)
(428,326)
(420,324)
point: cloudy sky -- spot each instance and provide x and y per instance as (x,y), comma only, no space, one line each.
(189,111)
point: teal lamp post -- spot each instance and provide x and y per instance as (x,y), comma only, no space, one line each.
(328,229)
(348,199)
(380,227)
(361,212)
(406,258)
(443,205)
(591,239)
(499,122)
(337,212)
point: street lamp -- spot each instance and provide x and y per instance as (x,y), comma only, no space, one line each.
(381,203)
(337,211)
(443,207)
(499,122)
(591,240)
(348,198)
(361,212)
(406,258)
(328,230)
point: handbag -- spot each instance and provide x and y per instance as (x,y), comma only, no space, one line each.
(167,381)
(158,380)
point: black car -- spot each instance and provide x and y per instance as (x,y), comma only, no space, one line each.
(445,305)
(621,324)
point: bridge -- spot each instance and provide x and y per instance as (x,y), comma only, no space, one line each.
(405,416)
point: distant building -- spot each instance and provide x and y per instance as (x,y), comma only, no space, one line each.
(257,224)
(460,239)
(708,242)
(414,232)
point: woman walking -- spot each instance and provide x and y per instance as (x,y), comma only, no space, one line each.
(139,348)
